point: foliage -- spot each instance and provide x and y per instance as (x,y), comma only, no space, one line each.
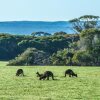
(85,22)
(60,33)
(31,56)
(62,57)
(13,45)
(89,37)
(90,41)
(82,58)
(40,34)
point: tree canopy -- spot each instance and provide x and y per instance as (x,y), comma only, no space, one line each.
(85,22)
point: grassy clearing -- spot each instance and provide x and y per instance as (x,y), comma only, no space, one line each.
(85,87)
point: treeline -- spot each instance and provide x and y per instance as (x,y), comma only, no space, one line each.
(82,48)
(13,45)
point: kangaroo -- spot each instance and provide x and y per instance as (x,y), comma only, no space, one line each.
(39,75)
(19,72)
(70,73)
(46,74)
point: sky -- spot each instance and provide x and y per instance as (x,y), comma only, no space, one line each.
(47,10)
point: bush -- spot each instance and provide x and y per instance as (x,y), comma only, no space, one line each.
(82,58)
(31,56)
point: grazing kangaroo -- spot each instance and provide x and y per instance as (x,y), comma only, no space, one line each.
(46,74)
(70,73)
(19,72)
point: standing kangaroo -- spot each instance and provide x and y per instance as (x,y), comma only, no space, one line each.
(70,73)
(46,74)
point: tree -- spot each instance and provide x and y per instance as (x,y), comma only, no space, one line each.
(85,22)
(60,33)
(96,52)
(88,38)
(40,34)
(90,42)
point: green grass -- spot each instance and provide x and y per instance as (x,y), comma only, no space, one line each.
(85,87)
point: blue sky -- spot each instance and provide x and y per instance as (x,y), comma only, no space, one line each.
(47,10)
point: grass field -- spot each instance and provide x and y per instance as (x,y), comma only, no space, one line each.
(85,87)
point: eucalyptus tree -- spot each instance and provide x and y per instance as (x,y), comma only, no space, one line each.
(40,34)
(85,22)
(90,41)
